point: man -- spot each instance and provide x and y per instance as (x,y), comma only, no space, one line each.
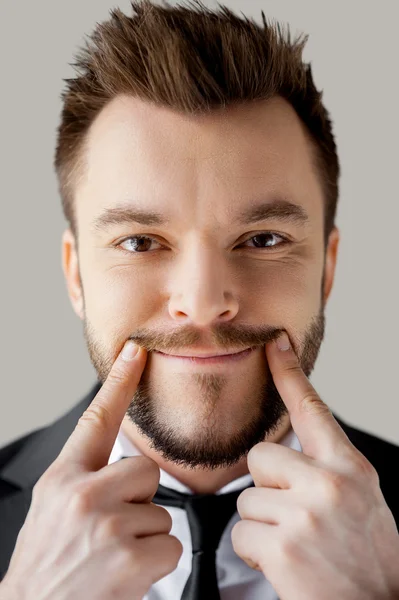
(199,178)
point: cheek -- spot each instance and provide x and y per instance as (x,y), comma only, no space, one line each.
(280,282)
(120,299)
(284,295)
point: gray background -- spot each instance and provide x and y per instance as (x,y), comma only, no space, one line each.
(353,49)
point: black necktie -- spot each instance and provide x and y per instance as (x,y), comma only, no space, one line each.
(208,516)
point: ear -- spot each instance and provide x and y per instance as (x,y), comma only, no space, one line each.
(70,265)
(330,262)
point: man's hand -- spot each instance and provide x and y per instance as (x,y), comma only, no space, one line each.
(92,530)
(316,523)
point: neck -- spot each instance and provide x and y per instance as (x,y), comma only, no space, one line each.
(200,481)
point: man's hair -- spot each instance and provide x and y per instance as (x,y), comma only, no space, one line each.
(191,59)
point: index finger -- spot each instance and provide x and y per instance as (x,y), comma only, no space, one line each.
(92,440)
(314,424)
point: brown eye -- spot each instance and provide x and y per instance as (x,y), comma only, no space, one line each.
(137,244)
(267,240)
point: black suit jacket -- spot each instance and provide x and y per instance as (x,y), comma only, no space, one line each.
(23,461)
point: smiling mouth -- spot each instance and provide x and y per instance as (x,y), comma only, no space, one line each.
(210,360)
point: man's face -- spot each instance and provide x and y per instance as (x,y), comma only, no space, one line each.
(224,268)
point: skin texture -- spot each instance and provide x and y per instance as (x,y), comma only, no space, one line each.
(202,279)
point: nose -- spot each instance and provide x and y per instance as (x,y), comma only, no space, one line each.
(199,291)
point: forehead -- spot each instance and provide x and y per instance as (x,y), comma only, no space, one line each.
(205,163)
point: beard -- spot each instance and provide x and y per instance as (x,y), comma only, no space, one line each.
(216,430)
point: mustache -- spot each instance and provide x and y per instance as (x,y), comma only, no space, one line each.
(224,337)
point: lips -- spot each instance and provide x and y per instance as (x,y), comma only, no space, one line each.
(207,360)
(200,355)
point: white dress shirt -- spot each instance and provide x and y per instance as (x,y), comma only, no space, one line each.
(236,580)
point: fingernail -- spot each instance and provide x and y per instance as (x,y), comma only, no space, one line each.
(129,351)
(283,342)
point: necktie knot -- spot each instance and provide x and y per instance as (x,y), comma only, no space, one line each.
(208,516)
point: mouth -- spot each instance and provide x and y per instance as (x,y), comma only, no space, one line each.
(207,360)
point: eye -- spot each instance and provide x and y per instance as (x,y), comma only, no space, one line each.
(138,244)
(265,240)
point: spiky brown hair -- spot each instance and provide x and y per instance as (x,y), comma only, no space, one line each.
(191,59)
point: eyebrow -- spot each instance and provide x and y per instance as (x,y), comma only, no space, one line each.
(127,214)
(280,210)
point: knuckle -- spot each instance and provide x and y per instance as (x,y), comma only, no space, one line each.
(109,527)
(151,470)
(166,519)
(129,569)
(289,549)
(244,500)
(333,486)
(260,452)
(129,555)
(82,499)
(97,416)
(149,465)
(50,479)
(170,558)
(176,549)
(307,520)
(117,377)
(145,464)
(364,469)
(292,366)
(238,535)
(162,517)
(312,404)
